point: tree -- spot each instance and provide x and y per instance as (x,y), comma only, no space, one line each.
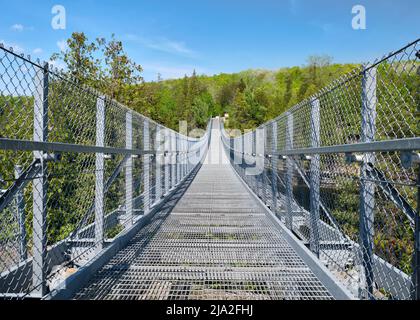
(79,59)
(288,91)
(120,70)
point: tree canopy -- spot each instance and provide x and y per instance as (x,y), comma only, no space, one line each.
(250,97)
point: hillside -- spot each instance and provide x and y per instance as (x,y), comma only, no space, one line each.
(250,97)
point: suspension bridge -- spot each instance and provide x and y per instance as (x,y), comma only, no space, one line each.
(100,202)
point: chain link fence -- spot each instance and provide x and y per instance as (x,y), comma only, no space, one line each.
(341,170)
(77,170)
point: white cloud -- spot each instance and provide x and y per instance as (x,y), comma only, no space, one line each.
(62,45)
(15,47)
(38,51)
(163,44)
(17,27)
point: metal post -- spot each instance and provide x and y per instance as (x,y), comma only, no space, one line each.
(167,146)
(173,160)
(367,188)
(254,152)
(184,158)
(99,174)
(158,174)
(416,254)
(274,163)
(237,145)
(187,156)
(263,181)
(243,164)
(289,172)
(247,149)
(315,178)
(232,148)
(416,258)
(183,162)
(129,168)
(146,168)
(20,213)
(177,159)
(181,159)
(190,166)
(170,159)
(39,267)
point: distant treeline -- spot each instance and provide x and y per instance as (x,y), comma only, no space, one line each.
(250,97)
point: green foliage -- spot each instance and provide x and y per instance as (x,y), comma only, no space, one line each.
(79,58)
(250,98)
(114,231)
(393,235)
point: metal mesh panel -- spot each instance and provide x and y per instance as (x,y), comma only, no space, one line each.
(77,169)
(342,174)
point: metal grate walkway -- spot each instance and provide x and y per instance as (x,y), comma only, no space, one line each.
(216,243)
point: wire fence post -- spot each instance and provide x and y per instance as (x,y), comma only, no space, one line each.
(367,188)
(99,174)
(243,164)
(177,159)
(274,163)
(187,156)
(158,173)
(167,146)
(183,159)
(146,168)
(173,160)
(248,155)
(263,179)
(170,159)
(40,184)
(416,256)
(20,214)
(232,147)
(254,155)
(129,168)
(315,177)
(289,172)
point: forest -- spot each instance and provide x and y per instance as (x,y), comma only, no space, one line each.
(250,97)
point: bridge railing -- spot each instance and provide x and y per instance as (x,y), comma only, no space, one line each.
(341,170)
(77,170)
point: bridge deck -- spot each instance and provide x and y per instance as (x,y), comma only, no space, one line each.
(217,243)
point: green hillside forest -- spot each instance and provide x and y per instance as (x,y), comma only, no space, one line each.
(250,97)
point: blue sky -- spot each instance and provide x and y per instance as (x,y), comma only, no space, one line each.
(213,36)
